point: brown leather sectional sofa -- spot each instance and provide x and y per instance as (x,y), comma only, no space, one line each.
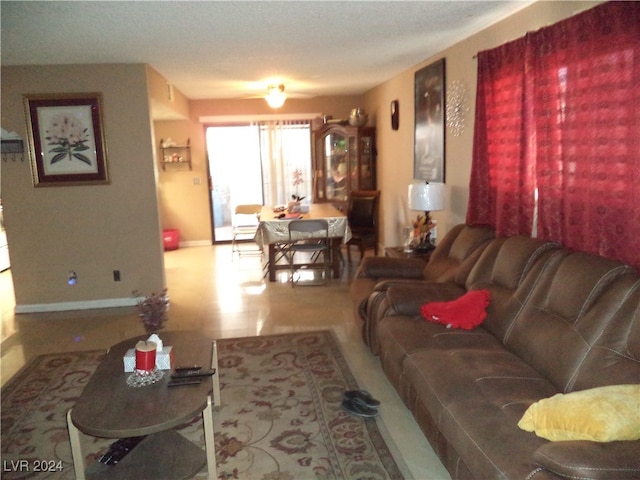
(558,321)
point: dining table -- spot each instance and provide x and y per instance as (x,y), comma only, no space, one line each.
(273,230)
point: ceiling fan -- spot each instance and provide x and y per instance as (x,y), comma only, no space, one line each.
(276,94)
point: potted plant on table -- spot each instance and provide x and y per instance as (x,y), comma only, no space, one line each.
(294,205)
(153,310)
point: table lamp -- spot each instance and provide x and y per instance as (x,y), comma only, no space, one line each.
(426,197)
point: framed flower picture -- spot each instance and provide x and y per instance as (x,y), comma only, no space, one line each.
(66,139)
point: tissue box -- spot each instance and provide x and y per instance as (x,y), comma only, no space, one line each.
(164,359)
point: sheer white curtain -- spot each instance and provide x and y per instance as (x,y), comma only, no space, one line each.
(285,146)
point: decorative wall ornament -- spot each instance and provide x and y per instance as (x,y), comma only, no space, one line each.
(457,107)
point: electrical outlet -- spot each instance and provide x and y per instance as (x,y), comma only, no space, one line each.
(116,275)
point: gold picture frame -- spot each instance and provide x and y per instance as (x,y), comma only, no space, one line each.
(66,139)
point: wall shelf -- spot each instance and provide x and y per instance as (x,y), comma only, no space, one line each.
(172,155)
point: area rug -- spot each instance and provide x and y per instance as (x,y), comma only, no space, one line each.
(280,417)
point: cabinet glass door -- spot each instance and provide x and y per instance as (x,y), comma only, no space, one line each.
(335,151)
(366,173)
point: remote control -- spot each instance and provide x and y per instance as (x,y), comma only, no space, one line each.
(190,368)
(178,382)
(193,373)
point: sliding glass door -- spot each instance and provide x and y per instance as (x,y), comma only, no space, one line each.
(256,163)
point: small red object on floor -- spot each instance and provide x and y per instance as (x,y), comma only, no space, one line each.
(171,239)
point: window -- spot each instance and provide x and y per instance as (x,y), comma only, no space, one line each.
(255,163)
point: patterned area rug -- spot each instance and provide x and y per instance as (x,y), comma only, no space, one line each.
(280,417)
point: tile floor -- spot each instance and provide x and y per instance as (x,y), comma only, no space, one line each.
(225,297)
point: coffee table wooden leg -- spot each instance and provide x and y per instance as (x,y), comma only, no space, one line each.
(76,448)
(209,440)
(215,378)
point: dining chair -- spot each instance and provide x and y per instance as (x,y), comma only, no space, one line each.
(245,224)
(362,214)
(310,237)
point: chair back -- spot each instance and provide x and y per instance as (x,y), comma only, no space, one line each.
(246,215)
(248,209)
(363,210)
(312,228)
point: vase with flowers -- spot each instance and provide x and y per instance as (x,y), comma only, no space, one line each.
(294,205)
(153,310)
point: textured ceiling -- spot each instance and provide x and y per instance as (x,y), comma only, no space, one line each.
(234,49)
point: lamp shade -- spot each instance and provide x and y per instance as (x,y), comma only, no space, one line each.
(426,196)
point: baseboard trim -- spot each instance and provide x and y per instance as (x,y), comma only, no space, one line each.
(85,305)
(196,243)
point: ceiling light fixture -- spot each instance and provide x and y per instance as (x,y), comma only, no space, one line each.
(276,96)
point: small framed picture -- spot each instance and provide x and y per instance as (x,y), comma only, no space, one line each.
(66,139)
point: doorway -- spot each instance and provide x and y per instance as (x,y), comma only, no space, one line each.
(236,174)
(257,163)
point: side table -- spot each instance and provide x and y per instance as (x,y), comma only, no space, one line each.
(398,252)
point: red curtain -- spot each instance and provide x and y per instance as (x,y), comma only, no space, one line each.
(501,181)
(575,87)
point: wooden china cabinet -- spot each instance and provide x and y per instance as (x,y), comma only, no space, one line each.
(344,159)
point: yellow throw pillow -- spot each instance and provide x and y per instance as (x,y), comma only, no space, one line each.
(602,414)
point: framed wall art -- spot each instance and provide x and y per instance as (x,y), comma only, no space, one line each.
(430,121)
(66,139)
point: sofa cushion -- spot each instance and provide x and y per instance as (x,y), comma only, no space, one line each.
(565,314)
(477,396)
(602,414)
(590,460)
(409,300)
(457,253)
(389,267)
(393,297)
(509,268)
(615,356)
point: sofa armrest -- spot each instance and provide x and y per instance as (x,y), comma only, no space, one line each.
(387,283)
(591,460)
(408,300)
(386,267)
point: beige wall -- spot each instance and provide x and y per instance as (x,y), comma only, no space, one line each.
(166,101)
(395,148)
(184,193)
(92,230)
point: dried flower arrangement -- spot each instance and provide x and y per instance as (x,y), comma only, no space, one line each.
(153,309)
(422,227)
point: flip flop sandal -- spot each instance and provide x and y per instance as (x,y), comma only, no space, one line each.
(363,397)
(357,408)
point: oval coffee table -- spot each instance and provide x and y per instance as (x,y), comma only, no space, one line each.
(109,408)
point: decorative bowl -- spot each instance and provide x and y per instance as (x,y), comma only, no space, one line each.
(358,120)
